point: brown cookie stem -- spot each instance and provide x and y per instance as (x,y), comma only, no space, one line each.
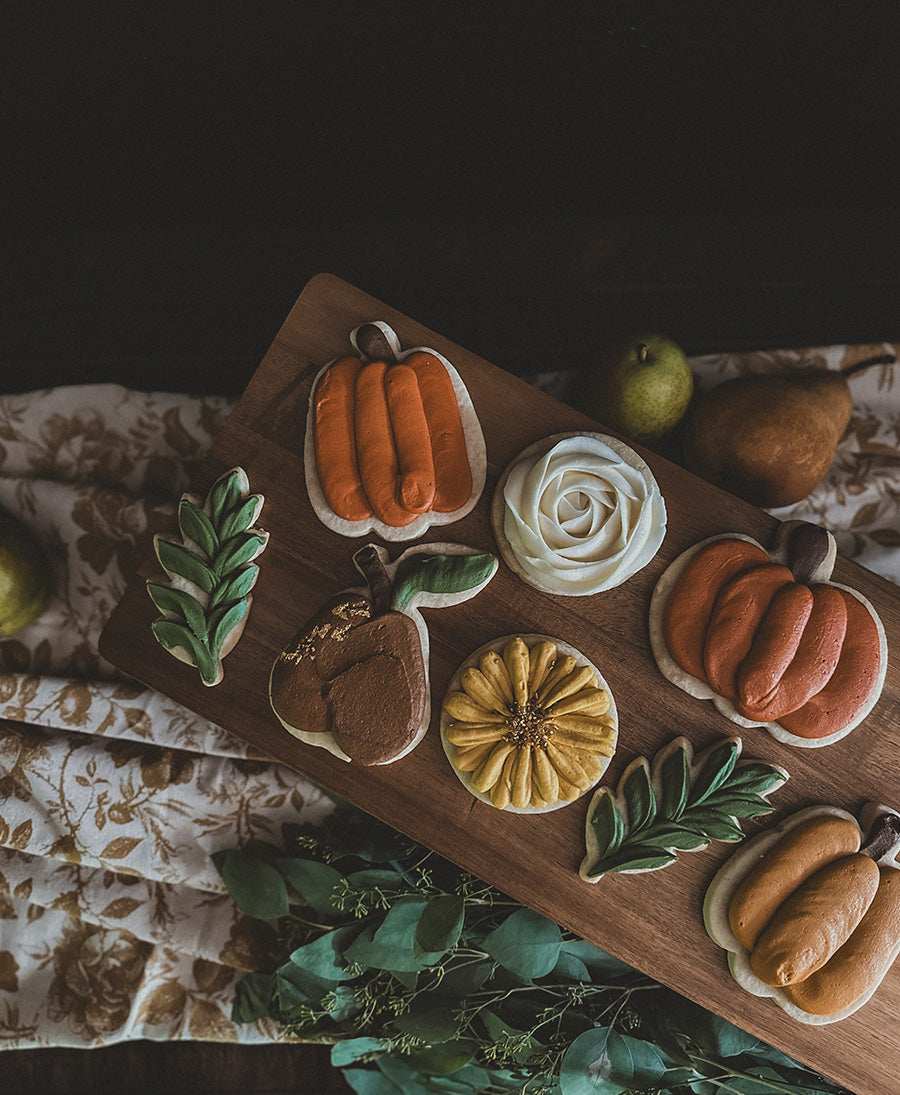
(369,563)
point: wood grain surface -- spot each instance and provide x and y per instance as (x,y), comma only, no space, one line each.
(652,921)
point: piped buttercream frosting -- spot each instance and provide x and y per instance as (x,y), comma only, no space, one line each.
(579,514)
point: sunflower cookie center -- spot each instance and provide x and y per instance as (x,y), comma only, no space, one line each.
(528,725)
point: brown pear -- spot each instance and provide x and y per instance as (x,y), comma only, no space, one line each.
(768,439)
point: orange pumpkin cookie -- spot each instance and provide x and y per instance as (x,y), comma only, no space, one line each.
(393,443)
(768,637)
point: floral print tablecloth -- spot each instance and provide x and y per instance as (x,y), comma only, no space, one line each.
(114,923)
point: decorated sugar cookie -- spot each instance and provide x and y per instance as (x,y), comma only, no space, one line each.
(768,637)
(528,724)
(809,913)
(393,443)
(210,573)
(577,514)
(678,804)
(355,679)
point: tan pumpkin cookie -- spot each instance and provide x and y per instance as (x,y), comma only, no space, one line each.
(810,914)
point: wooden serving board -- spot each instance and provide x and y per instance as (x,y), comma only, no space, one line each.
(652,921)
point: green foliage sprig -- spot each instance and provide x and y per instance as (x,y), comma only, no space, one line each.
(424,979)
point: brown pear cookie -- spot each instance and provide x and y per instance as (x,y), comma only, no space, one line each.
(354,679)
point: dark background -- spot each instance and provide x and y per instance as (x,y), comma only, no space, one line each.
(529,185)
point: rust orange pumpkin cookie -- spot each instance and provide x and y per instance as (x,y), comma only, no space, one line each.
(768,637)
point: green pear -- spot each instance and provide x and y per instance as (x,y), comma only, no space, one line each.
(24,577)
(641,387)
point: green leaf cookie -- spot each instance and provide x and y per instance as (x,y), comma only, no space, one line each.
(210,573)
(679,803)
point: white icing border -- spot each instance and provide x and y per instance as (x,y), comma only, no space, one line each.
(421,599)
(673,672)
(475,449)
(455,685)
(534,452)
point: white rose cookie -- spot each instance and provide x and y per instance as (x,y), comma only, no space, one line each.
(578,513)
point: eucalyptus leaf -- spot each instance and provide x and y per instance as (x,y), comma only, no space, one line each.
(352,1049)
(257,888)
(252,997)
(327,956)
(377,879)
(440,924)
(393,957)
(433,1023)
(600,964)
(369,1082)
(525,943)
(587,1066)
(314,881)
(425,572)
(463,979)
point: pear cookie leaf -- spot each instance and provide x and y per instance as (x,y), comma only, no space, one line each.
(206,597)
(678,803)
(439,574)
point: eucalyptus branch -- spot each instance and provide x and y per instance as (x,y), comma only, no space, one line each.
(403,959)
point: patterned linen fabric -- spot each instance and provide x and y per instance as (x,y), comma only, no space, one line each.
(114,923)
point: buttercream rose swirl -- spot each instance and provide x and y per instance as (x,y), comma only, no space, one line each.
(583,516)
